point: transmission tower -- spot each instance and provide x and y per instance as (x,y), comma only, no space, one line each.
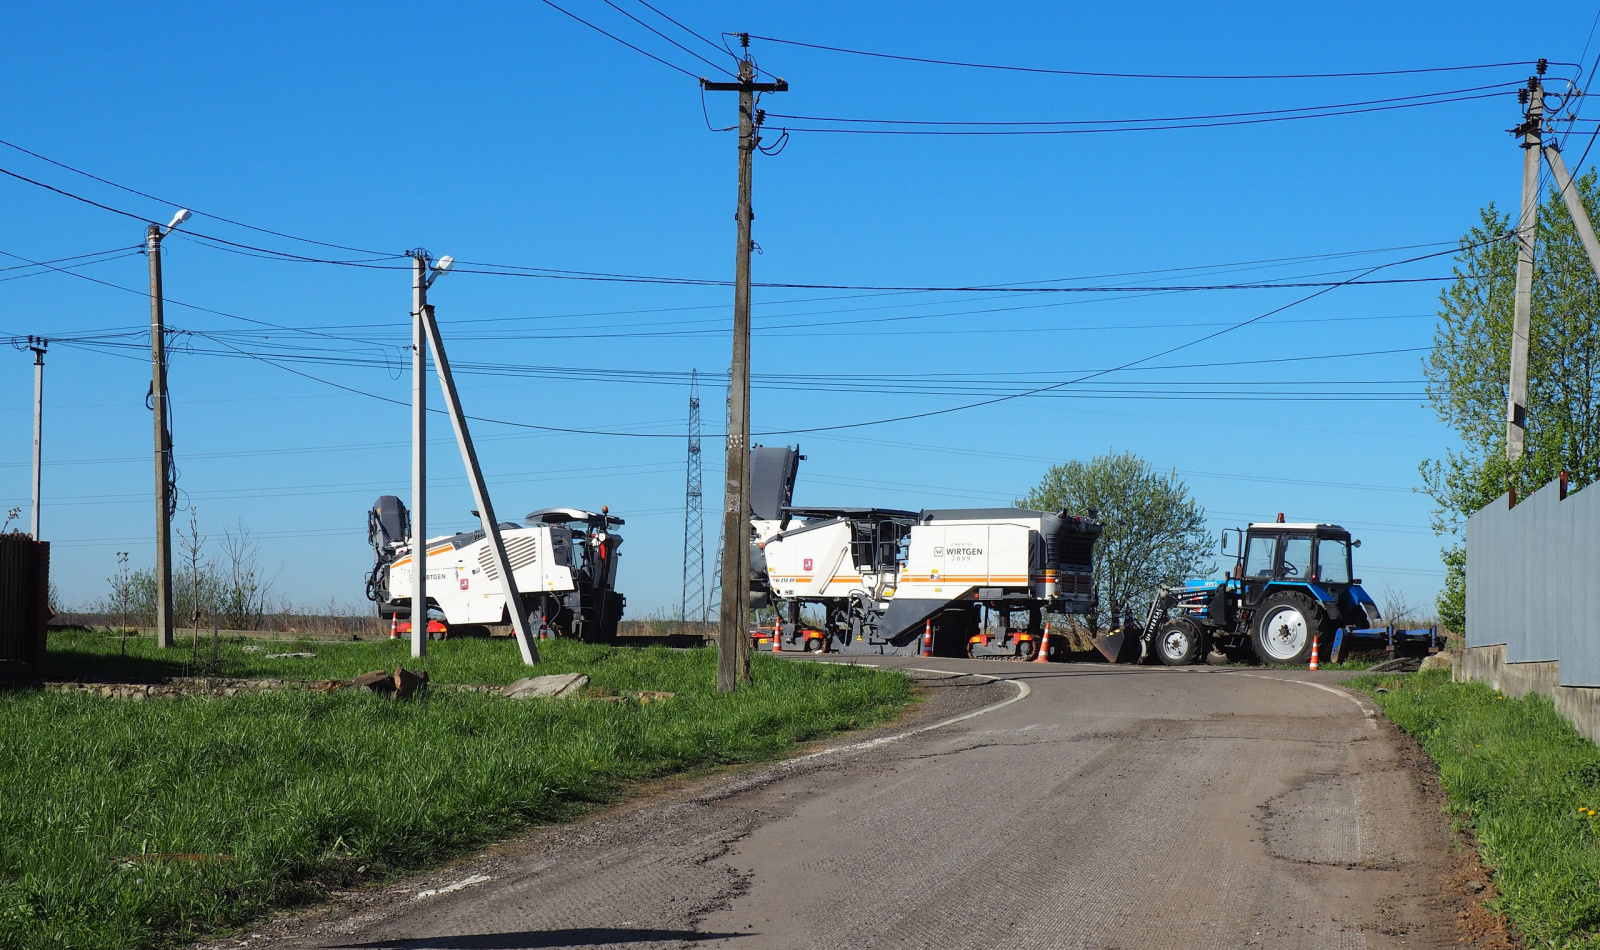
(694,558)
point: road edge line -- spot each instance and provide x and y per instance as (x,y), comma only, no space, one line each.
(1023,691)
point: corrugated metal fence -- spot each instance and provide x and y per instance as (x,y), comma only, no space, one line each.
(1533,581)
(24,610)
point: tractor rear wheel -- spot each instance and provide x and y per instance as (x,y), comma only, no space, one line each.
(1177,643)
(1285,625)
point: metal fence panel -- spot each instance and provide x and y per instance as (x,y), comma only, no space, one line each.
(1580,632)
(1487,536)
(1537,523)
(1533,581)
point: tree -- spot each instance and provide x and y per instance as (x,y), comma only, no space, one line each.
(1469,366)
(1155,533)
(242,592)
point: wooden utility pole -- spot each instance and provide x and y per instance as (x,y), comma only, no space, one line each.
(1532,130)
(38,346)
(158,403)
(733,640)
(419,454)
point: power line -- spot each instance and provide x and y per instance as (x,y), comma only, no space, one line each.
(78,260)
(1502,86)
(1119,75)
(1133,128)
(708,42)
(504,270)
(179,303)
(190,233)
(619,39)
(1127,365)
(669,39)
(179,204)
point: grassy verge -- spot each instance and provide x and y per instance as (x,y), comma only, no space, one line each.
(268,799)
(1527,783)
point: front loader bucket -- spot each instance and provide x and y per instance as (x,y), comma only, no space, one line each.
(1118,647)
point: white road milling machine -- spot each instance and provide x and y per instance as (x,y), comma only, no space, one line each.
(564,561)
(883,580)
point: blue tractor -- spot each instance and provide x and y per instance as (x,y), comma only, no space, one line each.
(1291,586)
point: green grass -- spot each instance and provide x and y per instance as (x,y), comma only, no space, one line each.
(1520,774)
(304,790)
(92,655)
(1351,663)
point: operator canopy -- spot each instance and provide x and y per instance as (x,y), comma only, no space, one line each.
(558,516)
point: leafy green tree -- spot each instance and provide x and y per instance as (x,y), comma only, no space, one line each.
(1469,367)
(1155,533)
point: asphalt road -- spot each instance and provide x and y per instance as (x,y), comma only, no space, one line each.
(1076,806)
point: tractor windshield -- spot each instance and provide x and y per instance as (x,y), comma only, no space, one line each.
(1333,561)
(1297,556)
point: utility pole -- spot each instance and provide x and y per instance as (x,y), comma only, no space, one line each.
(158,406)
(1574,200)
(1532,131)
(38,345)
(480,490)
(419,453)
(733,642)
(694,531)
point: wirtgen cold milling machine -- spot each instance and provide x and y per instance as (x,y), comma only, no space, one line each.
(883,578)
(564,561)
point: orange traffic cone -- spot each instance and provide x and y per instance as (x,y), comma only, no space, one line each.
(1313,651)
(1044,647)
(776,640)
(927,638)
(394,626)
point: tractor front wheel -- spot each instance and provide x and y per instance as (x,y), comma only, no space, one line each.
(1285,625)
(1177,643)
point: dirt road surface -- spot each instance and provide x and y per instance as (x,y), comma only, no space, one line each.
(1076,806)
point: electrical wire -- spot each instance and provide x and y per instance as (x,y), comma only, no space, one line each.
(1121,75)
(642,52)
(180,303)
(708,42)
(1127,365)
(1134,128)
(101,257)
(177,204)
(507,270)
(1502,86)
(669,39)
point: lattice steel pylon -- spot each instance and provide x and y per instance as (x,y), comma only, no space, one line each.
(693,607)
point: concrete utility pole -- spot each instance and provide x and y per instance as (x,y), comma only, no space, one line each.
(733,642)
(480,491)
(158,406)
(419,453)
(38,346)
(1531,130)
(1569,194)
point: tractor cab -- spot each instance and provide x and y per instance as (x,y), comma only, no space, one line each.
(1312,558)
(1292,553)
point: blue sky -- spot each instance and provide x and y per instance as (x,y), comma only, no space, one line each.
(512,134)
